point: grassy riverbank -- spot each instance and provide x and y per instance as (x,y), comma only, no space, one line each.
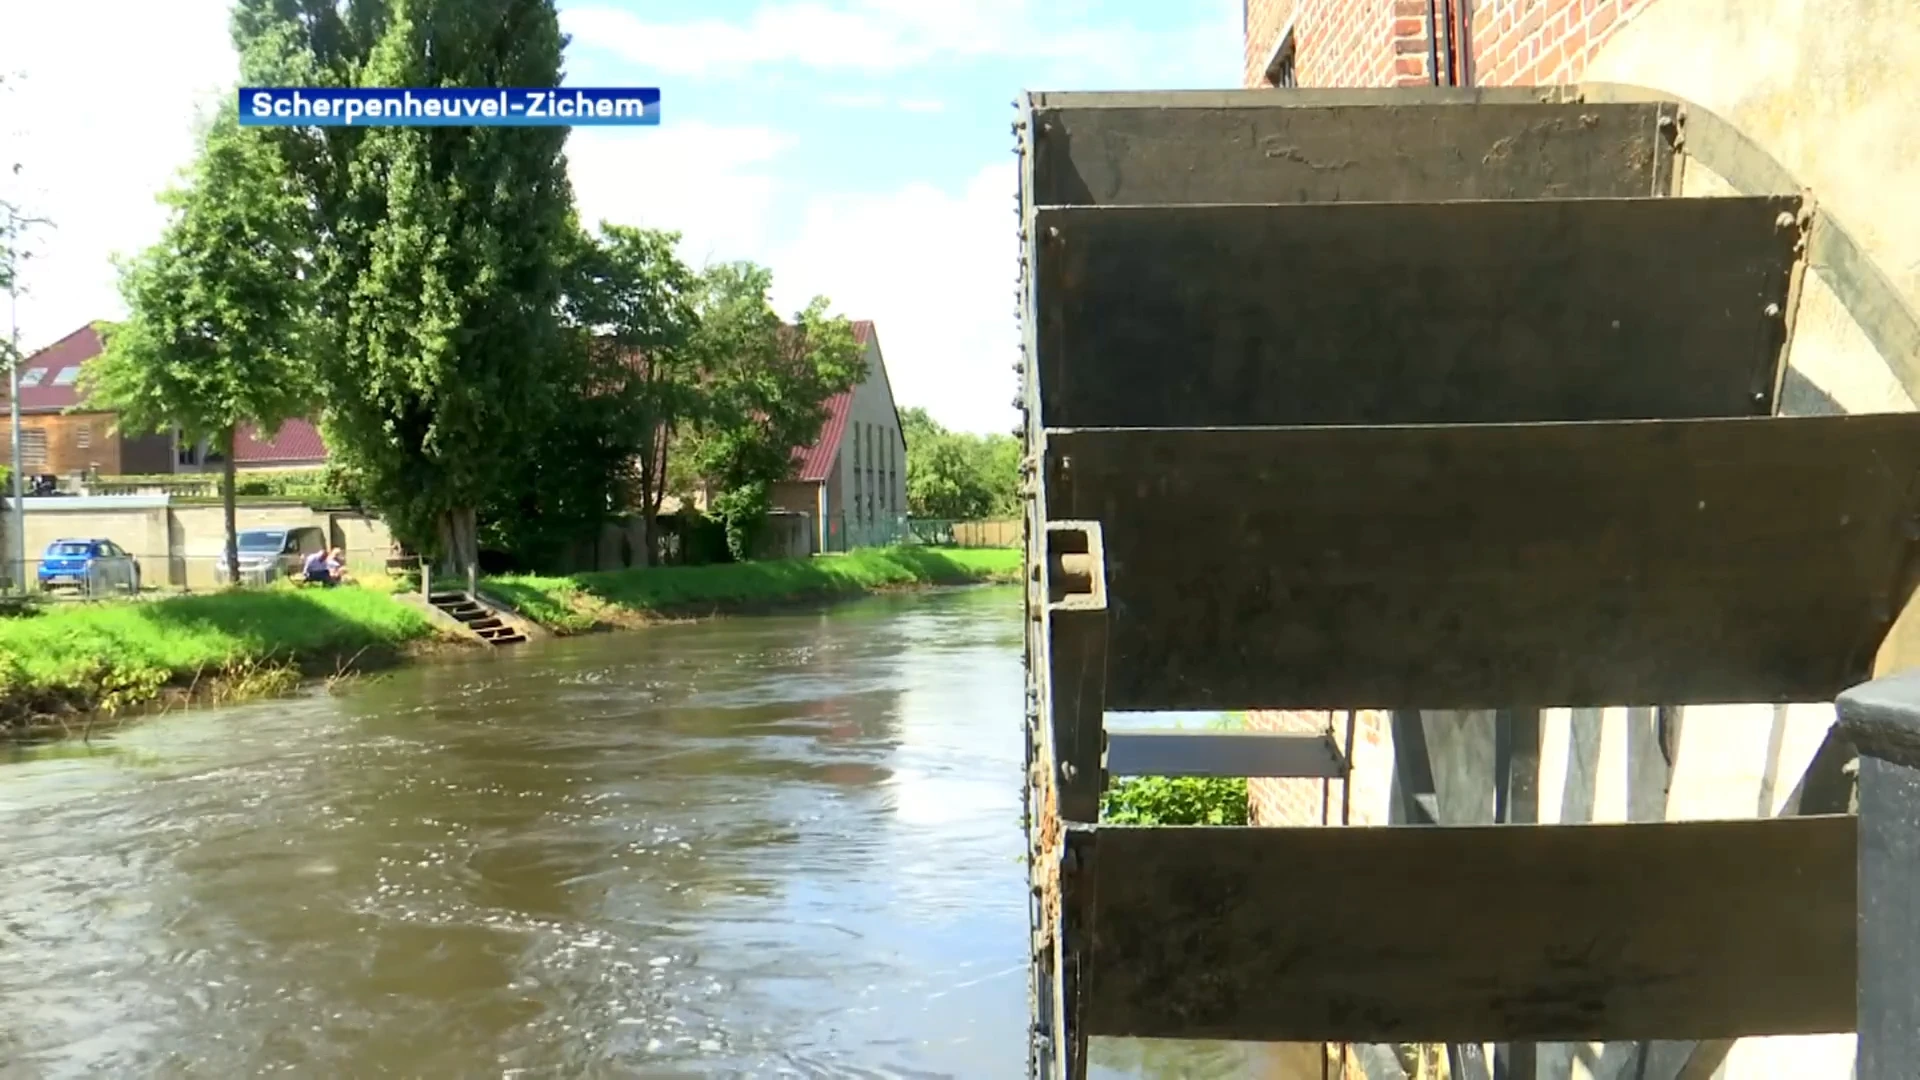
(81,658)
(578,603)
(69,660)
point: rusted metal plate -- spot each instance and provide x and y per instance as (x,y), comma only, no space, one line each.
(1396,313)
(1524,933)
(1260,148)
(1499,566)
(1223,753)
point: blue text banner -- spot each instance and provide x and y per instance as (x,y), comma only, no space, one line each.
(565,106)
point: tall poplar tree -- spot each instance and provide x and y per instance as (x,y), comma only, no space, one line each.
(441,251)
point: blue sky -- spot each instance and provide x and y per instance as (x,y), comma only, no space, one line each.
(858,147)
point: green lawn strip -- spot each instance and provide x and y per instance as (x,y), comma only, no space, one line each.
(80,651)
(579,602)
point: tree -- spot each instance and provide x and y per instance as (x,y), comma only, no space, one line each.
(764,386)
(218,330)
(440,254)
(635,300)
(956,475)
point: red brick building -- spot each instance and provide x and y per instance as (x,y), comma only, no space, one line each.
(1329,43)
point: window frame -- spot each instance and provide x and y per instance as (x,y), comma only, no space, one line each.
(1282,70)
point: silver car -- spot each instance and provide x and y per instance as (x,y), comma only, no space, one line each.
(267,554)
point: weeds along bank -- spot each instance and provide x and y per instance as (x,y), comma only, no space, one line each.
(581,603)
(70,660)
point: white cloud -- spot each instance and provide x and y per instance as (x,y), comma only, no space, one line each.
(890,36)
(102,120)
(882,101)
(714,185)
(867,35)
(935,270)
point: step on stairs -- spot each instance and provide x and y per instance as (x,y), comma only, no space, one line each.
(1448,400)
(478,618)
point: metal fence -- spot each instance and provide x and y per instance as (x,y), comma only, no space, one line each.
(164,575)
(942,532)
(847,532)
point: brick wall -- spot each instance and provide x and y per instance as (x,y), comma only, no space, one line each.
(1384,42)
(1341,42)
(1316,802)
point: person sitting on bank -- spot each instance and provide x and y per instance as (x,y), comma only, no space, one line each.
(337,565)
(318,569)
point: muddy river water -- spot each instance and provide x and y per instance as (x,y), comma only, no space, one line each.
(757,847)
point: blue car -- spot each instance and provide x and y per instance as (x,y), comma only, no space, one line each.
(92,566)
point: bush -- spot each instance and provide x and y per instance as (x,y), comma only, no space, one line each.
(1179,800)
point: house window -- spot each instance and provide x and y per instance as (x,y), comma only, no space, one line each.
(188,452)
(32,376)
(33,449)
(1280,68)
(67,376)
(82,436)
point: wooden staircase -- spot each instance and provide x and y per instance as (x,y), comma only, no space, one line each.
(482,621)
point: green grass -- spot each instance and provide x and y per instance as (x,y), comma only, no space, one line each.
(124,652)
(581,602)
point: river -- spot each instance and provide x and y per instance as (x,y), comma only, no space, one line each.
(757,847)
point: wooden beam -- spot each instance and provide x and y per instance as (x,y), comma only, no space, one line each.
(1264,149)
(1223,753)
(1413,313)
(1715,929)
(1559,565)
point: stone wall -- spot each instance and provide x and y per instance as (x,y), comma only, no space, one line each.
(180,544)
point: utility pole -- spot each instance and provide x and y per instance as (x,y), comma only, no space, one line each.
(17,528)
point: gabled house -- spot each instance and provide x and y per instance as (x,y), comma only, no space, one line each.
(852,482)
(59,436)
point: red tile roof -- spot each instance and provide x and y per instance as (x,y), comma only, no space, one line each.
(43,389)
(47,377)
(816,461)
(297,442)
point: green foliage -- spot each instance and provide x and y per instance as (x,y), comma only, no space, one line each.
(581,602)
(742,510)
(765,390)
(218,332)
(441,254)
(630,299)
(1175,800)
(468,320)
(956,475)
